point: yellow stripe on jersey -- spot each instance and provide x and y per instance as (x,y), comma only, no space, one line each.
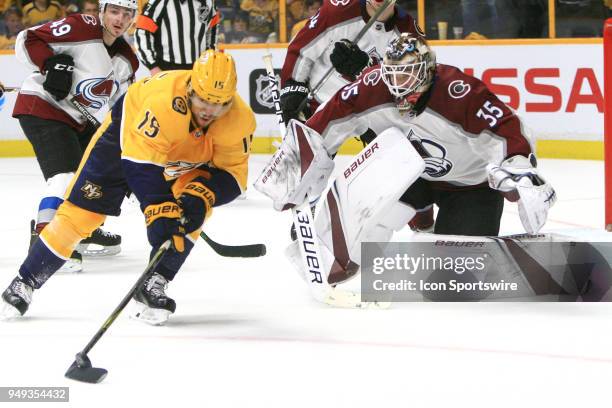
(70,225)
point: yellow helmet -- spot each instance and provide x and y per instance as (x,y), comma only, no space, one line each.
(213,77)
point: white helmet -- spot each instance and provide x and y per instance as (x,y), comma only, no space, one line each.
(409,66)
(129,4)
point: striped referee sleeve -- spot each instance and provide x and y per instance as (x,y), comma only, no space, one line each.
(146,27)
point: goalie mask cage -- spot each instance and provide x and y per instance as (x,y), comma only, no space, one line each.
(608,121)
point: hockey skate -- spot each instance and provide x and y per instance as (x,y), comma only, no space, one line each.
(16,299)
(100,243)
(152,306)
(73,264)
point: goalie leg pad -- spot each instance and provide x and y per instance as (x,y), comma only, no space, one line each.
(363,202)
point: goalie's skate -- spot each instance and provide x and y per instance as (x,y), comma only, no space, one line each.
(100,243)
(152,306)
(16,299)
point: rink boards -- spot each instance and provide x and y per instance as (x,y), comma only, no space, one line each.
(555,86)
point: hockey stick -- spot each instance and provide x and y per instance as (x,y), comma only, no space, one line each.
(306,233)
(235,251)
(81,369)
(355,40)
(231,251)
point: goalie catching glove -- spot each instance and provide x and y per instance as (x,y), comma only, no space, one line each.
(300,168)
(518,175)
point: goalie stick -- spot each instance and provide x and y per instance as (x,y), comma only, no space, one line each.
(230,251)
(306,233)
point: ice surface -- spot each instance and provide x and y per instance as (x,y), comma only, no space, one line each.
(246,333)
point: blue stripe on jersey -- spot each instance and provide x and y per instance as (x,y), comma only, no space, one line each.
(50,203)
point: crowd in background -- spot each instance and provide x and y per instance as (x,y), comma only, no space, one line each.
(257,21)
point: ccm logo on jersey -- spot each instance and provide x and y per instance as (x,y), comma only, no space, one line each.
(339,2)
(360,160)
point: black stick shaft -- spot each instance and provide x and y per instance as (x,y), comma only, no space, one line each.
(113,316)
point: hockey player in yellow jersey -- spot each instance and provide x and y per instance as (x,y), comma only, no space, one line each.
(180,141)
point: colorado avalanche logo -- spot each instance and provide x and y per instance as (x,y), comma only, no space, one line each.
(94,93)
(433,154)
(458,89)
(372,78)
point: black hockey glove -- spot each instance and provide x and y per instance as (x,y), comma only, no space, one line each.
(196,200)
(58,71)
(291,96)
(348,58)
(164,222)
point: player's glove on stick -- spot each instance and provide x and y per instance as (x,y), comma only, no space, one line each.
(163,223)
(58,75)
(348,59)
(196,201)
(518,175)
(291,96)
(300,168)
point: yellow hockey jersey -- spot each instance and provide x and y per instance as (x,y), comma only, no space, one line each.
(157,128)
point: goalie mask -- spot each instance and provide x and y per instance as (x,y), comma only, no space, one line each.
(408,69)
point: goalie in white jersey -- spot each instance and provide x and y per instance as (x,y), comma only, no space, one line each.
(82,58)
(442,138)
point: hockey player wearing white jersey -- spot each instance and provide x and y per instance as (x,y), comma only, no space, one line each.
(81,58)
(325,41)
(442,138)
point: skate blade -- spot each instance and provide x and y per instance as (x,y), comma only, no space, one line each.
(148,315)
(9,312)
(350,300)
(71,266)
(98,251)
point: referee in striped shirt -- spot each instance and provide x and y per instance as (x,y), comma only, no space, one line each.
(171,34)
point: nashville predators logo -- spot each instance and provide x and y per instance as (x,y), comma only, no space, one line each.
(92,191)
(94,93)
(174,169)
(179,105)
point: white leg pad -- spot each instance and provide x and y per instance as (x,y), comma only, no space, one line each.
(363,202)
